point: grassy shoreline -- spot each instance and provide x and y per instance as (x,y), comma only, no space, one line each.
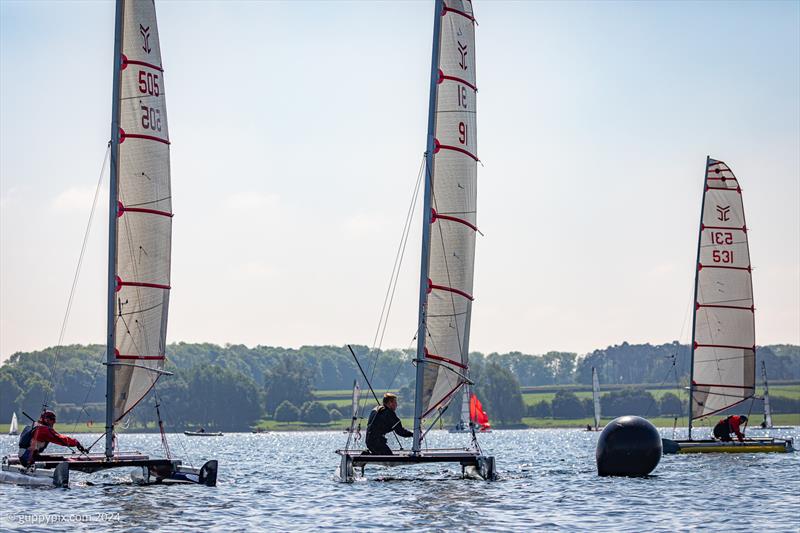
(783,419)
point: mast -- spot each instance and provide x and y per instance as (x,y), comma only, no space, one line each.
(426,227)
(112,229)
(694,301)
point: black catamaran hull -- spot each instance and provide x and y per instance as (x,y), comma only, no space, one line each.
(472,463)
(765,445)
(54,470)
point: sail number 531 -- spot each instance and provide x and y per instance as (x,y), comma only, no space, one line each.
(722,256)
(721,237)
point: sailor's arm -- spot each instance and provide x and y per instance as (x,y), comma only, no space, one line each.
(398,428)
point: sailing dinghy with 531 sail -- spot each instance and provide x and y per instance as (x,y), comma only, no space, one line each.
(448,247)
(139,257)
(723,370)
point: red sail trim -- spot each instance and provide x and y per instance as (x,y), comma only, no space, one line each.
(126,62)
(743,228)
(123,136)
(435,216)
(431,287)
(442,77)
(444,398)
(429,355)
(121,284)
(752,308)
(737,189)
(722,409)
(123,209)
(438,146)
(143,357)
(445,9)
(725,386)
(702,266)
(698,345)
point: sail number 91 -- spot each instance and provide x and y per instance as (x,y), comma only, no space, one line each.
(148,83)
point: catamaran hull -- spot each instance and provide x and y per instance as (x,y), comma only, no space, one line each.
(473,465)
(19,475)
(715,446)
(202,434)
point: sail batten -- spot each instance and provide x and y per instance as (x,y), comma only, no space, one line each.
(723,347)
(453,222)
(143,226)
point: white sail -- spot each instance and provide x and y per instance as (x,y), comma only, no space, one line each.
(723,351)
(465,418)
(13,429)
(767,411)
(144,221)
(453,216)
(596,397)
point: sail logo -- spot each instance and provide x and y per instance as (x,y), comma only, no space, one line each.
(462,49)
(723,213)
(145,33)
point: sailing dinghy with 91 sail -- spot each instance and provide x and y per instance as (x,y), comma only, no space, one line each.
(140,235)
(448,246)
(723,335)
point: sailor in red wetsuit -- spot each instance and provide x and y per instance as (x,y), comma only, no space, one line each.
(732,424)
(34,439)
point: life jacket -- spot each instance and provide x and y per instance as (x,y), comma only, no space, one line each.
(26,437)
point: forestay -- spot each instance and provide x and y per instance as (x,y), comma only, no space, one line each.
(723,372)
(453,216)
(144,212)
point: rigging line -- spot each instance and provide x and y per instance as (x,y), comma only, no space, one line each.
(86,398)
(393,279)
(77,274)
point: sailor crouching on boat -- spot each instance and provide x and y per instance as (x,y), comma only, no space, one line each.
(383,420)
(732,424)
(34,439)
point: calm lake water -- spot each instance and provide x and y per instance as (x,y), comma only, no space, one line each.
(548,481)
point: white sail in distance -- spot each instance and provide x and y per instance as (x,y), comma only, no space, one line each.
(452,219)
(723,351)
(13,429)
(144,212)
(596,397)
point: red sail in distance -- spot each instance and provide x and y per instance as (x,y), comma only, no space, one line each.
(477,414)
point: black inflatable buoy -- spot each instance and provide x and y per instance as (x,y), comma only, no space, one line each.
(628,446)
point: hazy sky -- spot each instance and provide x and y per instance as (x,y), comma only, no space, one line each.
(297,132)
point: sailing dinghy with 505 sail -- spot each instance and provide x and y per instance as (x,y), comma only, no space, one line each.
(448,247)
(723,333)
(140,235)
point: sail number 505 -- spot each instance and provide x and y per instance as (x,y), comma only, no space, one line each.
(148,83)
(151,118)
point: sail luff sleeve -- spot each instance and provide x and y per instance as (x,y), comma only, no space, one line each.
(724,334)
(452,218)
(144,212)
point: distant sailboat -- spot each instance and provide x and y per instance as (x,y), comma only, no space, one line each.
(596,399)
(139,257)
(472,415)
(723,332)
(767,423)
(448,243)
(13,429)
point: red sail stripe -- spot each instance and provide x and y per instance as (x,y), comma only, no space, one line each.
(438,146)
(126,62)
(751,308)
(431,286)
(123,209)
(445,9)
(445,360)
(698,345)
(743,228)
(442,77)
(435,216)
(737,189)
(143,357)
(702,266)
(121,284)
(124,136)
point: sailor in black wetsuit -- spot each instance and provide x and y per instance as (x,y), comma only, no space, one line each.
(383,420)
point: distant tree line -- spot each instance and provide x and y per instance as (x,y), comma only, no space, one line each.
(231,387)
